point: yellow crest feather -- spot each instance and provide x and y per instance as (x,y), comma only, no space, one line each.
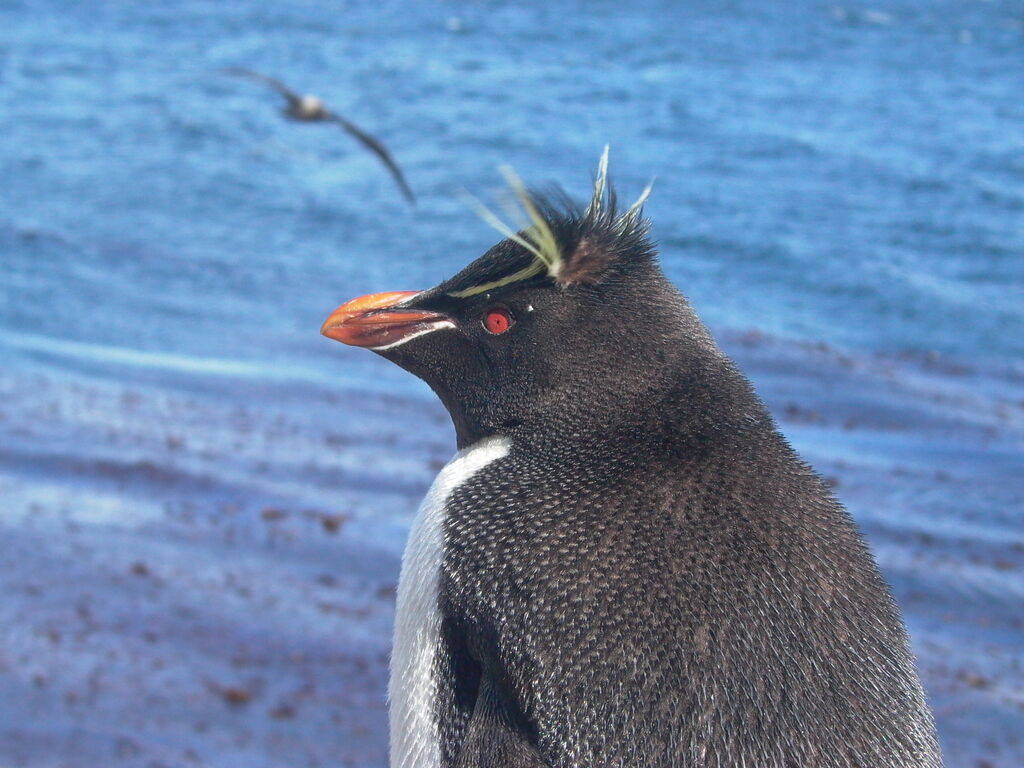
(536,236)
(535,233)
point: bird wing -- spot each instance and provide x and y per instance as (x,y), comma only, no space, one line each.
(272,82)
(374,145)
(492,739)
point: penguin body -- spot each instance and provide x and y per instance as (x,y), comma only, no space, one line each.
(415,674)
(626,564)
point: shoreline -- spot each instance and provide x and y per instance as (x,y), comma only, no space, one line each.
(205,580)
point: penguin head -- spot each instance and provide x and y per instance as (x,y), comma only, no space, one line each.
(564,322)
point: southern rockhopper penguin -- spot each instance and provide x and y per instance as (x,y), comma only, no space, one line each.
(625,564)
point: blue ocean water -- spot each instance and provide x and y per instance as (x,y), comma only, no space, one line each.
(839,189)
(825,173)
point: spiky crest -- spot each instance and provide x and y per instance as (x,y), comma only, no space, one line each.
(569,247)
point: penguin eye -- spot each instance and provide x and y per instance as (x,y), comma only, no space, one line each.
(497,320)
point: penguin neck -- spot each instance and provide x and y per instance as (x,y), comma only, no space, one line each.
(693,395)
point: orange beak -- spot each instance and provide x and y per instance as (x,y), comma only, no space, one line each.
(378,320)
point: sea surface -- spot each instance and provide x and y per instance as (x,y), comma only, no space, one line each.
(203,502)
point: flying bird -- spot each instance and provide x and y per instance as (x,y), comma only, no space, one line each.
(311,109)
(625,563)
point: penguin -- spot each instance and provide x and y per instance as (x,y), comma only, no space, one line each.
(625,564)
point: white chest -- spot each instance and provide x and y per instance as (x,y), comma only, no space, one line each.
(415,741)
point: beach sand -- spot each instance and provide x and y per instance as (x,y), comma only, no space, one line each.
(212,582)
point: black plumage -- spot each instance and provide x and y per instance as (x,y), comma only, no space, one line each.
(651,576)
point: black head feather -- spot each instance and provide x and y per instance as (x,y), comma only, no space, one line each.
(597,241)
(564,242)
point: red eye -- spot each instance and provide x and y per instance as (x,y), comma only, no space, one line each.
(497,320)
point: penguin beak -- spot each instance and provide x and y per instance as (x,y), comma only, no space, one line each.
(378,320)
